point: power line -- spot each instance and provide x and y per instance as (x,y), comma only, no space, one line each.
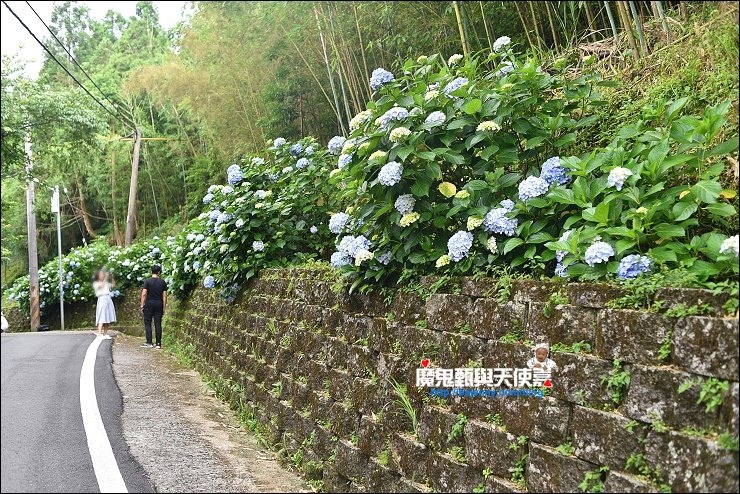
(80,66)
(60,64)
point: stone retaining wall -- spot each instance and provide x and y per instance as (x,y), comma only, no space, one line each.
(315,368)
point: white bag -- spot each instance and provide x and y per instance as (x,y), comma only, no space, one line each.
(5,324)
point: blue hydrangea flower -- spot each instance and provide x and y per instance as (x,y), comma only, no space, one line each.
(560,254)
(239,223)
(260,194)
(435,118)
(258,161)
(337,222)
(507,204)
(213,188)
(351,245)
(232,168)
(506,68)
(258,246)
(223,218)
(458,246)
(296,149)
(454,85)
(380,77)
(235,177)
(339,259)
(313,229)
(196,265)
(279,142)
(532,187)
(287,169)
(273,177)
(301,163)
(344,160)
(384,258)
(227,190)
(405,203)
(501,42)
(213,216)
(395,114)
(200,237)
(553,172)
(390,174)
(598,252)
(497,222)
(561,270)
(336,144)
(207,198)
(309,150)
(209,282)
(156,251)
(632,266)
(617,177)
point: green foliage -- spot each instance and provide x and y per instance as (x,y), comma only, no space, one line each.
(383,457)
(664,352)
(617,382)
(458,453)
(593,481)
(577,347)
(712,392)
(518,470)
(565,449)
(556,299)
(457,428)
(496,420)
(519,442)
(728,441)
(682,310)
(403,401)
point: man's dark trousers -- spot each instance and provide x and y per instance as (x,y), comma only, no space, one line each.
(153,311)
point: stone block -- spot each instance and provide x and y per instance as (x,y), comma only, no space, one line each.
(458,350)
(497,484)
(692,464)
(345,421)
(351,463)
(625,482)
(410,456)
(447,475)
(653,393)
(578,379)
(533,290)
(334,481)
(551,427)
(483,287)
(504,355)
(730,410)
(549,471)
(487,446)
(602,437)
(567,324)
(447,312)
(435,425)
(688,297)
(593,295)
(492,320)
(409,307)
(707,346)
(632,336)
(520,413)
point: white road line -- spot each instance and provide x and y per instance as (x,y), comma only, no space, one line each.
(104,463)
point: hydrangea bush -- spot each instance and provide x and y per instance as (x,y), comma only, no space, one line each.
(458,167)
(277,213)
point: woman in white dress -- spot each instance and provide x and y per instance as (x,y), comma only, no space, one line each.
(105,312)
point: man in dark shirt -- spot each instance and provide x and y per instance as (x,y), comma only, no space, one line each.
(153,303)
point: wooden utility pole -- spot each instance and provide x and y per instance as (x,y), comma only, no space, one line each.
(33,259)
(131,215)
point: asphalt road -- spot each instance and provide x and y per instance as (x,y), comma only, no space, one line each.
(43,441)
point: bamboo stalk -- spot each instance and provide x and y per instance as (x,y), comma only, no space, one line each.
(638,24)
(663,22)
(485,25)
(552,27)
(461,28)
(362,46)
(612,23)
(340,66)
(536,27)
(591,23)
(622,8)
(524,24)
(328,71)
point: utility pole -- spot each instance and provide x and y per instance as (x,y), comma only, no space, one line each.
(33,260)
(131,215)
(55,209)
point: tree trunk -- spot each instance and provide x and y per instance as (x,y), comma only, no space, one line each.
(362,49)
(461,28)
(552,27)
(591,21)
(524,24)
(83,210)
(116,229)
(622,8)
(485,25)
(612,23)
(638,24)
(540,41)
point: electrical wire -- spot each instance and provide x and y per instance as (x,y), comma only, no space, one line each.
(62,66)
(126,117)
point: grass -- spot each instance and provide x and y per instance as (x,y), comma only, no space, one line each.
(404,402)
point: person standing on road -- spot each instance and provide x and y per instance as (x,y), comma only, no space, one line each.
(105,312)
(153,304)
